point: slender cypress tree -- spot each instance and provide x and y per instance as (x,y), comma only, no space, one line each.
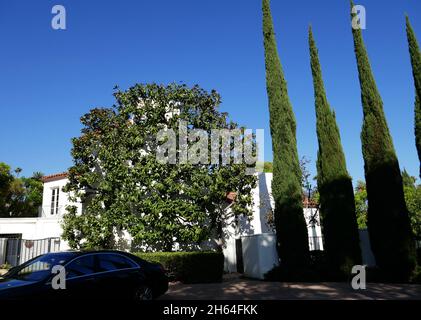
(337,204)
(414,52)
(291,229)
(417,126)
(388,222)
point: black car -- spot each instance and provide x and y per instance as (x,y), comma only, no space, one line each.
(88,275)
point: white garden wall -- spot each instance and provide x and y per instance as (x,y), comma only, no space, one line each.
(259,254)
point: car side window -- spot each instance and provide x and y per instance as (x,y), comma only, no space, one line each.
(110,262)
(82,266)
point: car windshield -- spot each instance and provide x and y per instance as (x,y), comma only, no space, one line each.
(39,268)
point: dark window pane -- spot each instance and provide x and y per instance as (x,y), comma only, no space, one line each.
(109,262)
(57,195)
(38,268)
(52,200)
(81,266)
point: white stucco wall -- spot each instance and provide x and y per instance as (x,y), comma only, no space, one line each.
(31,228)
(314,228)
(63,198)
(263,205)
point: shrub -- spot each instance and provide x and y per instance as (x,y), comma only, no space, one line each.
(189,267)
(5,266)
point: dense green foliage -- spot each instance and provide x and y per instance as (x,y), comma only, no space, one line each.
(6,179)
(415,54)
(388,222)
(361,205)
(268,167)
(189,267)
(412,192)
(19,196)
(413,201)
(291,230)
(123,186)
(337,205)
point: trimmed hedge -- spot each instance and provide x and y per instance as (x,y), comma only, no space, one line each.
(189,267)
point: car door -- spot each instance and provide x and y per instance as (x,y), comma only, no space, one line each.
(118,275)
(81,278)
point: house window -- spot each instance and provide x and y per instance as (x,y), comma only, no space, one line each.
(54,200)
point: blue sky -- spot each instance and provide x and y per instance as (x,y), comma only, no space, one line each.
(49,78)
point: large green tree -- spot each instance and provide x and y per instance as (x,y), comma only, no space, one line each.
(6,179)
(124,187)
(337,204)
(291,230)
(388,222)
(412,192)
(19,197)
(415,54)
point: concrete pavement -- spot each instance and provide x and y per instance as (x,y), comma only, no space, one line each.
(235,287)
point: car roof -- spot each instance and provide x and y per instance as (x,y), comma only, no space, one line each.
(81,252)
(75,253)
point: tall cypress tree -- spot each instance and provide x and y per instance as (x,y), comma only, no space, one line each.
(337,204)
(414,52)
(291,229)
(417,111)
(387,218)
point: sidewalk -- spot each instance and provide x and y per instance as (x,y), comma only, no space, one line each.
(236,288)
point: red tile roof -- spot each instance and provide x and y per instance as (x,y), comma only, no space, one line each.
(54,177)
(231,196)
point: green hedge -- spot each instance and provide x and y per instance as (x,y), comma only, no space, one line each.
(189,267)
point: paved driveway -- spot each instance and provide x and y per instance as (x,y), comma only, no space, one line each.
(236,288)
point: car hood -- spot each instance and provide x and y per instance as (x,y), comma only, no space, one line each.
(8,283)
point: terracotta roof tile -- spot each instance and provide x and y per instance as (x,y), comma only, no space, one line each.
(231,196)
(54,177)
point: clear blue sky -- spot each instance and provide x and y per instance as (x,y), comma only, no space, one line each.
(49,78)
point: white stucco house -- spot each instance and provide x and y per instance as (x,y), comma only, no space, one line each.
(23,238)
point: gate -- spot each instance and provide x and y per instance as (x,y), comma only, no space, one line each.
(15,251)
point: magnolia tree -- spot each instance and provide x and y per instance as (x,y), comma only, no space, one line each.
(148,167)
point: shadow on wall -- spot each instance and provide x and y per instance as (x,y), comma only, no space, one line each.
(266,204)
(244,227)
(367,254)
